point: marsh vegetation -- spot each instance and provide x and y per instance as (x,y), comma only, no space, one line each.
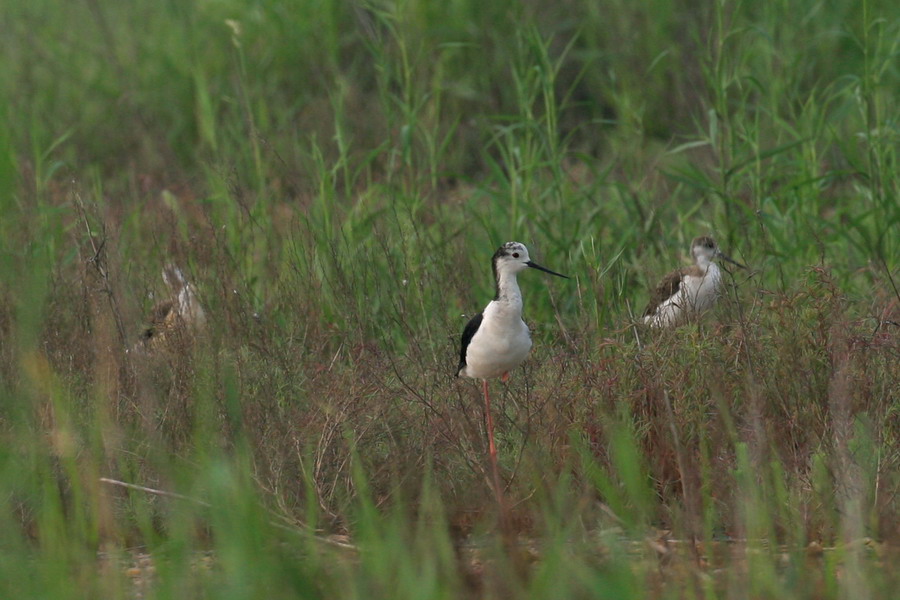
(332,178)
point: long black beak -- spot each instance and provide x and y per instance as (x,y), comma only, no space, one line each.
(534,265)
(724,256)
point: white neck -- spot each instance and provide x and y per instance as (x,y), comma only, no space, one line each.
(704,262)
(710,271)
(508,289)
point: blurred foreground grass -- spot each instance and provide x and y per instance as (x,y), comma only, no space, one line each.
(334,177)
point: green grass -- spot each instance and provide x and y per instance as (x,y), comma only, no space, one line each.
(334,177)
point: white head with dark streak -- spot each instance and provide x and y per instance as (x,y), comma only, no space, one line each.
(512,258)
(704,249)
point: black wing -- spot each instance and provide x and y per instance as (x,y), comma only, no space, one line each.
(468,333)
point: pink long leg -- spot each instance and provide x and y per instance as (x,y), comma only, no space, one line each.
(492,448)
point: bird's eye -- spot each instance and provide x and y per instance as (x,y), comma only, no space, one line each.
(515,255)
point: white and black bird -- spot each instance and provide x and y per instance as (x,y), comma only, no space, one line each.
(497,340)
(688,291)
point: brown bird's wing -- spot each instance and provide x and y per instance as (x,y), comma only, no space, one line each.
(160,318)
(667,288)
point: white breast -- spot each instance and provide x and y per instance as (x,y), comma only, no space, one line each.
(698,292)
(501,343)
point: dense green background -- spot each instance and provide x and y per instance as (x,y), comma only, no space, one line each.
(334,177)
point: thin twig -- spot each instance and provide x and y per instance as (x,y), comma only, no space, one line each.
(634,328)
(291,525)
(97,261)
(890,277)
(141,488)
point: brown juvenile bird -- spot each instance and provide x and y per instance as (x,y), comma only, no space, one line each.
(688,291)
(175,319)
